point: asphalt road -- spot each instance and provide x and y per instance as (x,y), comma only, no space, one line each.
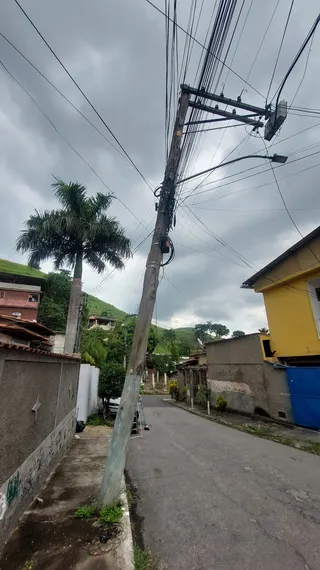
(213,498)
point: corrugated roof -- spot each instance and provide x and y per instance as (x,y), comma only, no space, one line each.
(28,323)
(304,241)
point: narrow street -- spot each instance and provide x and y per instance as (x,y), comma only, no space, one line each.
(213,498)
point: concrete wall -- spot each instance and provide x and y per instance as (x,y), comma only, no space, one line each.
(58,342)
(87,400)
(37,423)
(238,371)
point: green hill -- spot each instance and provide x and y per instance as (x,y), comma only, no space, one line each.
(98,307)
(19,269)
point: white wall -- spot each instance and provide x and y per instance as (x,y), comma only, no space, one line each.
(87,400)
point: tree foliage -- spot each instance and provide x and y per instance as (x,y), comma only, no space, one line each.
(94,345)
(263,330)
(237,334)
(111,380)
(79,231)
(54,300)
(210,331)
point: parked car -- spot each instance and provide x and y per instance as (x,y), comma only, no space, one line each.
(114,404)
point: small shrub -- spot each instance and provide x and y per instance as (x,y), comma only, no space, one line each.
(95,420)
(173,388)
(201,397)
(111,514)
(85,512)
(183,394)
(88,359)
(221,404)
(142,559)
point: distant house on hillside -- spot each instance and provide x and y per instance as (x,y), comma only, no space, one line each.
(20,290)
(106,323)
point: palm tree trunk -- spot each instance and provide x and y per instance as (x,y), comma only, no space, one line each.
(74,306)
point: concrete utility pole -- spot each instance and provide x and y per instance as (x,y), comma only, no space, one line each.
(112,480)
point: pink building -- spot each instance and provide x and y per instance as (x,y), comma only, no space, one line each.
(19,295)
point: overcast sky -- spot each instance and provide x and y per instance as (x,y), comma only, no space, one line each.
(116,52)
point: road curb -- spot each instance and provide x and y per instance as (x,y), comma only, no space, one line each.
(200,414)
(125,549)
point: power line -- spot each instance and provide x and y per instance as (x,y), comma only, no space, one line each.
(62,95)
(68,143)
(103,281)
(257,173)
(83,94)
(201,45)
(280,48)
(260,46)
(297,57)
(303,75)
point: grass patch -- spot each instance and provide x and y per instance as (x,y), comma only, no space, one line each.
(142,559)
(19,269)
(85,512)
(111,514)
(264,432)
(97,420)
(107,515)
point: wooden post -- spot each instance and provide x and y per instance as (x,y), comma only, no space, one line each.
(152,380)
(165,380)
(113,473)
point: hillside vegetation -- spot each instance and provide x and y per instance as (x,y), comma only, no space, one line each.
(55,316)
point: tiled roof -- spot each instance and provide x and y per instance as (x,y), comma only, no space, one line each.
(10,346)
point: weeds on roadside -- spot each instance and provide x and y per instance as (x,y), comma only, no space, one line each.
(112,514)
(85,512)
(142,559)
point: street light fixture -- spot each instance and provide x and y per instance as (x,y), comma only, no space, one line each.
(274,158)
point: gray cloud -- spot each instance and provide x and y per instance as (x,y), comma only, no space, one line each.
(116,53)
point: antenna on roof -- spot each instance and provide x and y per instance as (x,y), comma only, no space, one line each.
(200,343)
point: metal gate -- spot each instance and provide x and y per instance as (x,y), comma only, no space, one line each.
(304,387)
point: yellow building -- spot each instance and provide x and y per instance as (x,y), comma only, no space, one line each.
(291,290)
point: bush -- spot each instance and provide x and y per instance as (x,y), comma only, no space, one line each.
(173,388)
(85,512)
(201,397)
(221,404)
(111,514)
(183,394)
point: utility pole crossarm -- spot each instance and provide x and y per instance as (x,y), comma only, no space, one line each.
(226,101)
(226,114)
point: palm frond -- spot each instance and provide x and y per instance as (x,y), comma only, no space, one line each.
(72,196)
(99,203)
(95,262)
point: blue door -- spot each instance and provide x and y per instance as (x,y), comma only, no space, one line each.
(304,387)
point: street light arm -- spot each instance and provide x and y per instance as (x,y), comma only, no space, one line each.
(274,158)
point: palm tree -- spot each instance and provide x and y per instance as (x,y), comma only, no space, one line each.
(263,330)
(80,231)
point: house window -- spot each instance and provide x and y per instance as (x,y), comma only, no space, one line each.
(267,349)
(33,298)
(2,295)
(313,287)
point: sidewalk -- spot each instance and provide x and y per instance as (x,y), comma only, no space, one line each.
(287,434)
(49,537)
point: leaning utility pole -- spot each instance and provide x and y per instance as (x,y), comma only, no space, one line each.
(112,480)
